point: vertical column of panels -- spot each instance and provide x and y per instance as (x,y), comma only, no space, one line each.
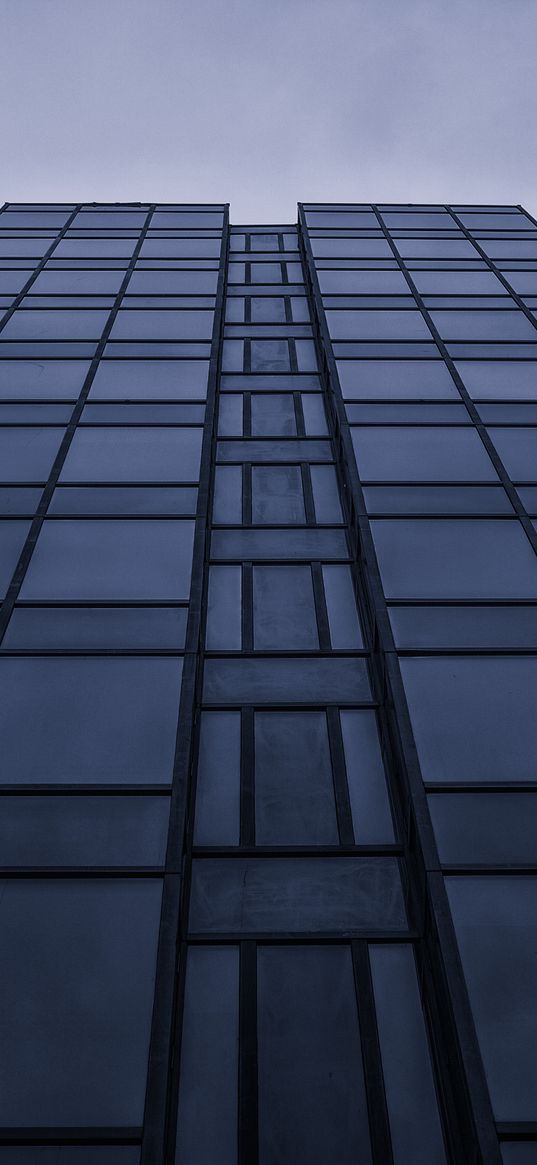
(439,445)
(111,329)
(297,925)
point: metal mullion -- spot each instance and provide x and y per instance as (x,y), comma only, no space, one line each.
(159,1133)
(493,267)
(471,1118)
(248,1066)
(247,473)
(321,612)
(379,1125)
(307,491)
(299,416)
(37,523)
(339,778)
(247,607)
(480,428)
(247,782)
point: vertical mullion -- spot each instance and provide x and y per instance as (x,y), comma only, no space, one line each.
(247,606)
(339,777)
(321,612)
(247,778)
(247,493)
(379,1126)
(307,490)
(248,1092)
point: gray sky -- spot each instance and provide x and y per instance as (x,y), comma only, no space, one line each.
(264,102)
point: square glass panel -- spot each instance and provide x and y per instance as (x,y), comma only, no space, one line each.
(277,495)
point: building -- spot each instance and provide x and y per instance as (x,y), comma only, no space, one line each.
(268,801)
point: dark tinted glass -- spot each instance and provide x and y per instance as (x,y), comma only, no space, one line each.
(78,1054)
(111,560)
(396,380)
(83,831)
(207,1116)
(495,921)
(96,627)
(12,539)
(495,828)
(312,1104)
(294,792)
(452,559)
(368,794)
(301,895)
(410,1093)
(218,779)
(150,380)
(94,720)
(137,454)
(423,453)
(284,609)
(473,719)
(277,494)
(269,680)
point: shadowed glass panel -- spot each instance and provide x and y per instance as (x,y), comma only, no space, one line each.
(312,1101)
(294,791)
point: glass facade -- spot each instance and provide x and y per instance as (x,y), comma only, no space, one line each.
(268,659)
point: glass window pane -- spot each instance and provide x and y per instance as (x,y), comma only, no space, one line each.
(150,380)
(37,325)
(309,543)
(410,1092)
(111,628)
(173,282)
(111,560)
(495,828)
(12,538)
(284,609)
(270,356)
(455,559)
(78,1055)
(499,379)
(314,415)
(218,781)
(224,609)
(396,380)
(137,454)
(345,630)
(273,415)
(208,1090)
(42,380)
(495,922)
(269,681)
(363,282)
(325,494)
(296,895)
(227,499)
(421,453)
(436,499)
(94,720)
(483,325)
(312,1103)
(501,627)
(378,325)
(78,282)
(83,831)
(144,502)
(518,451)
(162,325)
(294,791)
(473,719)
(230,415)
(277,495)
(368,794)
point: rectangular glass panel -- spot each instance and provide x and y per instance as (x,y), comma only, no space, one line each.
(296,895)
(294,791)
(224,609)
(78,1055)
(345,630)
(312,1102)
(366,779)
(495,828)
(268,681)
(277,495)
(57,830)
(94,720)
(284,609)
(218,780)
(406,1063)
(208,1088)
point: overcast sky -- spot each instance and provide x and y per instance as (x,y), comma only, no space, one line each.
(264,102)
